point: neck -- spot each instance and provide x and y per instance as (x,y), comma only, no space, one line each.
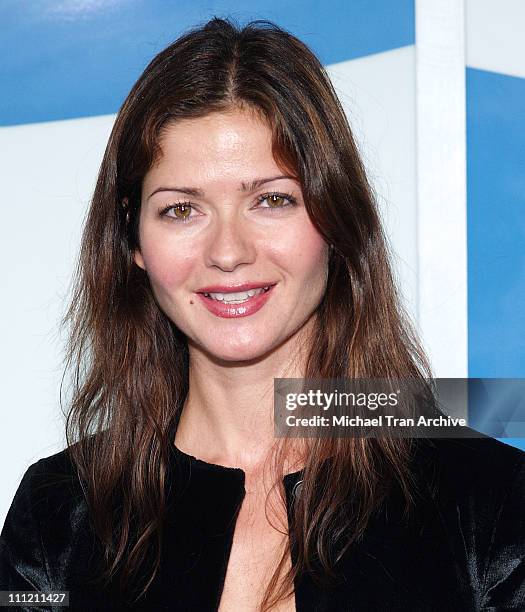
(227,418)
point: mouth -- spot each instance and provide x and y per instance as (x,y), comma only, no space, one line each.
(233,304)
(236,297)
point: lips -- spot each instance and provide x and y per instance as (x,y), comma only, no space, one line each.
(235,287)
(250,306)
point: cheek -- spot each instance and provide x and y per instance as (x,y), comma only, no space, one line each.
(167,268)
(315,261)
(302,251)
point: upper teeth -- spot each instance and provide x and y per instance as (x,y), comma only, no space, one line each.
(239,296)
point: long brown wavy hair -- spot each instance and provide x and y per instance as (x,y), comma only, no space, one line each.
(130,363)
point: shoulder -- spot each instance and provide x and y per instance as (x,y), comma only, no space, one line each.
(41,520)
(47,483)
(475,449)
(478,492)
(464,465)
(480,476)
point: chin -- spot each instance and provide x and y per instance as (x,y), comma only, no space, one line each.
(234,352)
(231,350)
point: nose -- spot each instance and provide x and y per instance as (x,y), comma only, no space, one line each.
(229,243)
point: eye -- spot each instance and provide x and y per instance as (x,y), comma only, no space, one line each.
(181,211)
(277,200)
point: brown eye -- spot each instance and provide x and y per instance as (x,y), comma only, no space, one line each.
(182,211)
(277,200)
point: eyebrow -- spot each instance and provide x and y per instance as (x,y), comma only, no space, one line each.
(245,187)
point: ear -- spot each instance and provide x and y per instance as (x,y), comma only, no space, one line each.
(138,259)
(137,256)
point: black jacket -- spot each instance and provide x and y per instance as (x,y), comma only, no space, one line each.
(464,549)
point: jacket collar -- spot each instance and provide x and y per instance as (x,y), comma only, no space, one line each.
(212,494)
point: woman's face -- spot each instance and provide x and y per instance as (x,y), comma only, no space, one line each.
(217,212)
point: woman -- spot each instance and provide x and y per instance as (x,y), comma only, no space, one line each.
(233,239)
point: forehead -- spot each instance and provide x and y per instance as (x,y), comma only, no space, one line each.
(230,144)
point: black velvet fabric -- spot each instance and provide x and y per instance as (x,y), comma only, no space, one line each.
(464,549)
